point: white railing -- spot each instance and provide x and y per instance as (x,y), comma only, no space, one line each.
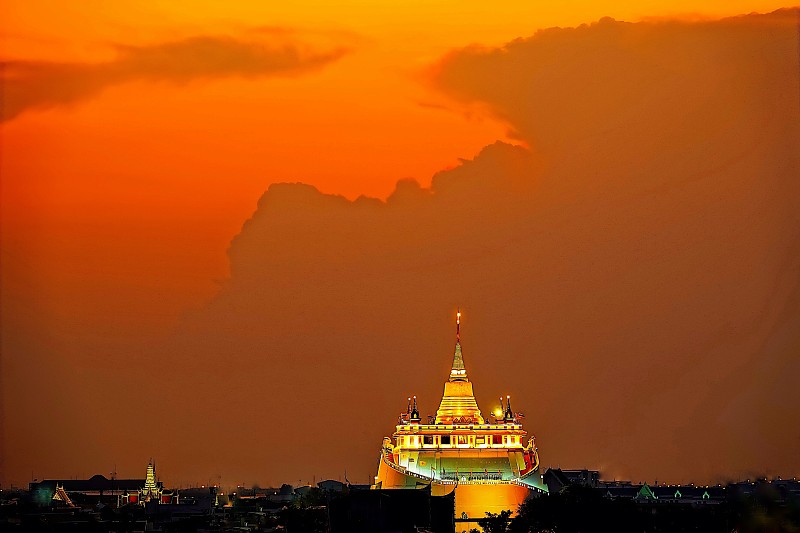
(405,471)
(455,479)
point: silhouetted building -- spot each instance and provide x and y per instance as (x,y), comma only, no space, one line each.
(52,492)
(556,478)
(100,489)
(392,510)
(332,485)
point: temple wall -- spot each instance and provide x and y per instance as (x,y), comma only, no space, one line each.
(477,500)
(389,478)
(474,500)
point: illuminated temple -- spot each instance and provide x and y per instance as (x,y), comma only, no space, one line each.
(491,464)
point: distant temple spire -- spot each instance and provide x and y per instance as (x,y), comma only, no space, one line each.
(151,488)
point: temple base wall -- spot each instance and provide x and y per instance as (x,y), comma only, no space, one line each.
(472,501)
(475,501)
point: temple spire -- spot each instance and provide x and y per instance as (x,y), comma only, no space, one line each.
(458,404)
(508,416)
(150,484)
(414,417)
(459,371)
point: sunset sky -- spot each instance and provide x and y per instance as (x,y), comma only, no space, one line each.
(608,190)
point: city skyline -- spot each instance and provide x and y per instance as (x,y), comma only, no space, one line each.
(233,238)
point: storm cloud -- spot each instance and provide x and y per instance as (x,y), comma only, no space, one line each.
(632,278)
(40,85)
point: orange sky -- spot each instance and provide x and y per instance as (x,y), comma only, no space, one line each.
(173,151)
(119,205)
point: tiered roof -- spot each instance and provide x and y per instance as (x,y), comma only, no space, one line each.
(458,404)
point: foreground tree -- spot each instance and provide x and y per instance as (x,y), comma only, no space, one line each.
(495,523)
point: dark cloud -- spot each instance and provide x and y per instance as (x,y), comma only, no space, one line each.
(633,279)
(612,83)
(30,85)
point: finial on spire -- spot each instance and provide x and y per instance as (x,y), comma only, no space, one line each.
(458,372)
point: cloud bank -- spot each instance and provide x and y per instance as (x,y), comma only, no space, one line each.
(40,85)
(632,279)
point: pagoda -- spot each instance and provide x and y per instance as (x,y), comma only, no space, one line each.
(152,491)
(491,464)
